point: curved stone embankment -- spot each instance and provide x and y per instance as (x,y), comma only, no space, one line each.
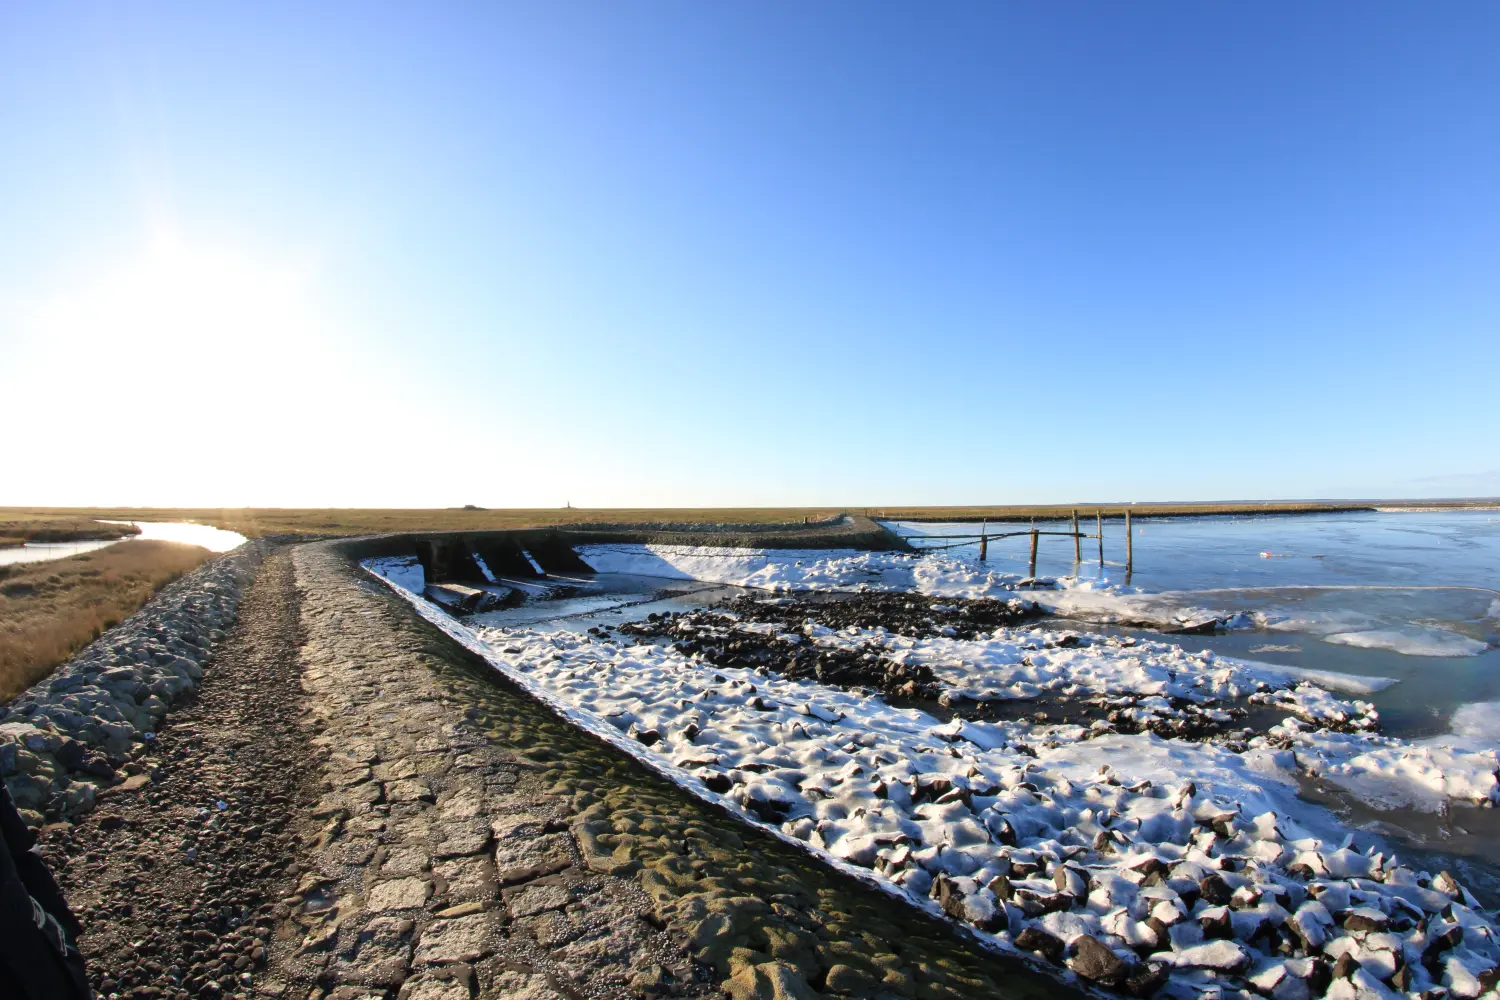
(69,738)
(471,843)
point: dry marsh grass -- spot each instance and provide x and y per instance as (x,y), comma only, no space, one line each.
(68,527)
(257,522)
(50,610)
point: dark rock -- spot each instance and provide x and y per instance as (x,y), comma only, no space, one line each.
(1094,961)
(948,896)
(1147,980)
(1162,931)
(1365,921)
(1320,976)
(1446,941)
(1214,890)
(99,767)
(1152,867)
(1036,939)
(1216,922)
(71,754)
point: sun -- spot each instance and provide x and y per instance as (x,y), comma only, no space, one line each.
(179,314)
(174,371)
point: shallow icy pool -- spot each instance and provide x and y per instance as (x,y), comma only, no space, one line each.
(211,538)
(1406,595)
(43,551)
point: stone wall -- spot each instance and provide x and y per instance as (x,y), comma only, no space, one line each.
(74,736)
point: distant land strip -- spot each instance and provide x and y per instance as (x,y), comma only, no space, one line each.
(256,522)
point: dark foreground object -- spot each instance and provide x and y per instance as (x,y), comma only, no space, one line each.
(39,958)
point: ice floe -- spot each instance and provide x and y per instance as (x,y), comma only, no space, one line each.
(1411,641)
(1478,721)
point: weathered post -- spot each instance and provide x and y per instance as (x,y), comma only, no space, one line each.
(1099,523)
(984,540)
(1032,571)
(1129,548)
(1077,543)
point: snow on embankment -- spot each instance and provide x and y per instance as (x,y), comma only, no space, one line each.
(1014,664)
(1131,859)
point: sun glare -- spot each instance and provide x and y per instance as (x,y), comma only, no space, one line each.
(207,359)
(182,313)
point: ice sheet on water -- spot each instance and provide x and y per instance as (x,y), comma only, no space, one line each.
(1332,680)
(404,571)
(1092,600)
(1411,641)
(1478,721)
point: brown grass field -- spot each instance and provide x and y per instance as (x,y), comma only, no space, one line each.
(49,610)
(256,522)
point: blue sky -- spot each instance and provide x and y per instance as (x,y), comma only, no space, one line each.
(733,253)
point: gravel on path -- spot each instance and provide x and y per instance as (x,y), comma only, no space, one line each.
(176,873)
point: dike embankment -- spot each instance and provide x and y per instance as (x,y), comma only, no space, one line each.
(473,843)
(81,731)
(347,805)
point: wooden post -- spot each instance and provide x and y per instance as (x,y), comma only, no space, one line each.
(1032,571)
(1077,543)
(984,540)
(1129,548)
(1099,522)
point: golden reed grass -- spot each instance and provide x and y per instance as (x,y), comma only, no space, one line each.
(50,610)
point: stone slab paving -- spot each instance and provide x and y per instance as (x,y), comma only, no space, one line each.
(439,864)
(471,844)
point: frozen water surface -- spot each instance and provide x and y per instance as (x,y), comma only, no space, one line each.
(213,539)
(1400,594)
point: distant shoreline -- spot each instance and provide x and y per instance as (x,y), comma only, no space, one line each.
(26,531)
(61,523)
